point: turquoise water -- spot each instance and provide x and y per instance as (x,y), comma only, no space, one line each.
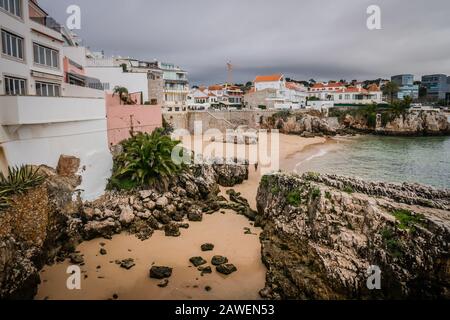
(424,160)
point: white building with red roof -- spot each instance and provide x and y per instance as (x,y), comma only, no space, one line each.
(340,94)
(274,92)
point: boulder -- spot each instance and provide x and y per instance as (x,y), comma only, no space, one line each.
(226,269)
(197,261)
(162,202)
(160,272)
(126,215)
(218,260)
(127,263)
(67,166)
(172,230)
(94,229)
(195,216)
(207,247)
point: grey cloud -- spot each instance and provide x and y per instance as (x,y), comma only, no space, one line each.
(322,39)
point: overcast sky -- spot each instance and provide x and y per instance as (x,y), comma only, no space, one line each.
(321,39)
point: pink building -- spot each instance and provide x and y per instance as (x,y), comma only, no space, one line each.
(123,119)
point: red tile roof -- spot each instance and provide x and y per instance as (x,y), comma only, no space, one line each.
(217,87)
(328,85)
(269,78)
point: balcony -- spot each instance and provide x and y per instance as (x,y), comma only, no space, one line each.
(47,26)
(22,110)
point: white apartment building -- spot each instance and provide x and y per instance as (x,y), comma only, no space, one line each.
(176,86)
(42,116)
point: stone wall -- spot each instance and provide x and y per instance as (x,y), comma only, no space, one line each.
(221,120)
(155,88)
(259,98)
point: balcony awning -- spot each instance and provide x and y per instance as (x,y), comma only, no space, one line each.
(77,77)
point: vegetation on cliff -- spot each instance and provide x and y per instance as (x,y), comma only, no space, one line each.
(145,160)
(17,181)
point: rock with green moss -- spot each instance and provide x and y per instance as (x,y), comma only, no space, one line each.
(321,233)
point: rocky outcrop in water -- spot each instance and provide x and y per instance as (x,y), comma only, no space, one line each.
(323,233)
(407,123)
(300,123)
(383,122)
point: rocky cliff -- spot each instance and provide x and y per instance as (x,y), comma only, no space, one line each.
(299,123)
(322,233)
(408,123)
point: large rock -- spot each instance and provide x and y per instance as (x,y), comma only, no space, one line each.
(300,123)
(322,233)
(126,215)
(19,277)
(67,166)
(160,272)
(416,123)
(231,172)
(162,202)
(106,228)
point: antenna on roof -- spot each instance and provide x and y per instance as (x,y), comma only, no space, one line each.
(229,72)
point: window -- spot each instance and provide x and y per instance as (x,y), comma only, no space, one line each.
(12,45)
(45,89)
(12,6)
(15,86)
(45,56)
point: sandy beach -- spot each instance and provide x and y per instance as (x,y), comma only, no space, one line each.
(102,278)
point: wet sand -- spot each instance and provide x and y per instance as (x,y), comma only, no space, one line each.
(225,231)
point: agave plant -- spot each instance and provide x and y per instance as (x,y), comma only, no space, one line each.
(18,181)
(146,160)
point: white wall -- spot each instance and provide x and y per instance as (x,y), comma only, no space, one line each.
(134,82)
(69,90)
(34,110)
(277,85)
(44,143)
(76,54)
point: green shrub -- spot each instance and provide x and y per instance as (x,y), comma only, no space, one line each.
(265,181)
(146,161)
(275,190)
(311,176)
(294,198)
(407,219)
(18,181)
(328,195)
(372,120)
(284,114)
(348,189)
(392,244)
(316,193)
